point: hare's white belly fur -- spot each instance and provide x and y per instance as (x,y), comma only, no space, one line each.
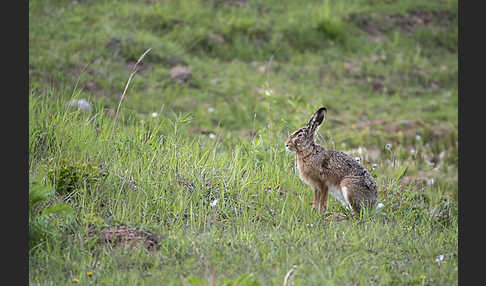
(341,194)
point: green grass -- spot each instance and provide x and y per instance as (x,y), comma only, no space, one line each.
(231,209)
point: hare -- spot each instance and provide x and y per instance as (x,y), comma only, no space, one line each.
(330,171)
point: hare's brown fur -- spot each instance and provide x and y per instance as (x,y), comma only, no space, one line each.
(329,171)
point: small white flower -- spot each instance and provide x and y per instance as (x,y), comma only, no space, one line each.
(442,154)
(212,136)
(374,166)
(154,114)
(361,150)
(379,206)
(431,164)
(388,146)
(213,203)
(81,104)
(268,92)
(210,110)
(413,151)
(418,138)
(439,258)
(430,181)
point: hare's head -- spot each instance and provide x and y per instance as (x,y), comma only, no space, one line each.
(304,137)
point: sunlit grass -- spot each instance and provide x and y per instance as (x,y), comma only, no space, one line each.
(202,167)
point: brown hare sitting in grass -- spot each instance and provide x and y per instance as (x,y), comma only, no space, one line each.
(330,171)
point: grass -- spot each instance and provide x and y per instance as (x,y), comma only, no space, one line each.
(208,175)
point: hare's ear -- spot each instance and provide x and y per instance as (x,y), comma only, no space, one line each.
(317,119)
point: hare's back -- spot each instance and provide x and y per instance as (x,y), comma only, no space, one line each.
(343,165)
(351,173)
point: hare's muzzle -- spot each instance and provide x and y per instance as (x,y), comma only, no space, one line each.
(288,146)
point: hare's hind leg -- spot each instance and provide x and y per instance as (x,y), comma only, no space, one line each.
(352,194)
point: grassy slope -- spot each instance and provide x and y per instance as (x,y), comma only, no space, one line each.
(385,77)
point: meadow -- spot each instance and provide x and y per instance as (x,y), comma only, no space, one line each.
(177,173)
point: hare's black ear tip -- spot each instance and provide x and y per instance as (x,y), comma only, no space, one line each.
(322,109)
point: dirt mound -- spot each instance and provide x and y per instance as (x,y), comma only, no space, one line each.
(410,20)
(181,74)
(126,237)
(375,24)
(237,3)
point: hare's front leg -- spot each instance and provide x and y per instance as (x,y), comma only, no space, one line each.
(320,198)
(315,201)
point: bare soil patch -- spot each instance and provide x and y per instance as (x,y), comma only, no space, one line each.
(376,25)
(125,237)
